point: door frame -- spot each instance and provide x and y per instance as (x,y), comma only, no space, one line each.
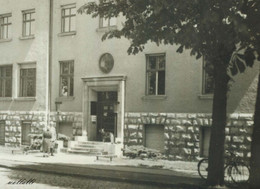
(92,85)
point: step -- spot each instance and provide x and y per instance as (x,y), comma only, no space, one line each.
(89,146)
(87,149)
(84,152)
(92,142)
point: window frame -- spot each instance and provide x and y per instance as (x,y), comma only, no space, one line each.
(204,80)
(69,76)
(3,80)
(101,22)
(63,17)
(156,70)
(4,24)
(22,79)
(30,21)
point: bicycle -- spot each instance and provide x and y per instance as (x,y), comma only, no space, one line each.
(234,169)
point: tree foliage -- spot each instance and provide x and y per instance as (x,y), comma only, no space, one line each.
(225,32)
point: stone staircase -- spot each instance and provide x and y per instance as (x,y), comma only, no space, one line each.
(87,147)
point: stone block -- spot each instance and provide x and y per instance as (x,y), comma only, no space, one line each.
(153,120)
(133,134)
(191,129)
(248,154)
(234,130)
(228,138)
(186,122)
(175,151)
(181,115)
(186,136)
(192,116)
(190,144)
(144,114)
(249,139)
(167,121)
(140,127)
(162,121)
(158,120)
(139,120)
(194,122)
(180,143)
(249,123)
(205,122)
(175,122)
(234,116)
(163,114)
(171,115)
(229,123)
(238,139)
(166,135)
(201,115)
(226,130)
(180,128)
(171,128)
(176,136)
(246,116)
(243,130)
(140,135)
(187,151)
(133,126)
(153,114)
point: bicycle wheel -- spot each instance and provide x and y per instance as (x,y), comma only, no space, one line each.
(203,168)
(240,173)
(227,174)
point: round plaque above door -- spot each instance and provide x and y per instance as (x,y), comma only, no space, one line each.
(106,62)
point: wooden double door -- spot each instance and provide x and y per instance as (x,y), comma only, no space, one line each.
(106,113)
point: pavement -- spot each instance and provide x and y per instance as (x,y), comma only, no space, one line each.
(159,172)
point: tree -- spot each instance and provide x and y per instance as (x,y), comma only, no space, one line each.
(213,29)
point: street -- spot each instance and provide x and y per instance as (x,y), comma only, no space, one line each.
(45,180)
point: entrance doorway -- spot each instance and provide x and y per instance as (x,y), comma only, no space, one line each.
(106,113)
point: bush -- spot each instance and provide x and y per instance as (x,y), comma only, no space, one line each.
(63,137)
(141,152)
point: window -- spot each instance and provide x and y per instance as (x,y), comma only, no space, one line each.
(6,81)
(107,22)
(208,80)
(28,23)
(26,130)
(68,18)
(155,74)
(27,81)
(5,26)
(66,78)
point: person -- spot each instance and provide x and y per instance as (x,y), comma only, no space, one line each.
(46,142)
(53,139)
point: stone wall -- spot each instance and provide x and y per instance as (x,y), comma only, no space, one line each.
(76,118)
(13,125)
(182,132)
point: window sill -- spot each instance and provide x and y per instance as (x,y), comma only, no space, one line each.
(154,97)
(106,29)
(67,33)
(25,99)
(65,98)
(206,96)
(6,98)
(5,40)
(26,37)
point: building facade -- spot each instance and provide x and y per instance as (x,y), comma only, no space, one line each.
(158,98)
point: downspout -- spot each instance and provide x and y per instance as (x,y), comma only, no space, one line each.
(50,61)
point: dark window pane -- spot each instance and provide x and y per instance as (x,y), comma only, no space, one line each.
(161,62)
(8,72)
(1,88)
(65,68)
(151,83)
(71,68)
(71,86)
(64,86)
(152,62)
(161,82)
(8,88)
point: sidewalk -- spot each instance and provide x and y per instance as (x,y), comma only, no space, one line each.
(163,172)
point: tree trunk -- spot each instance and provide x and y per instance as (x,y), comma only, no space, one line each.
(255,145)
(217,140)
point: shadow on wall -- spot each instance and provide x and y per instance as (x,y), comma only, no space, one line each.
(242,95)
